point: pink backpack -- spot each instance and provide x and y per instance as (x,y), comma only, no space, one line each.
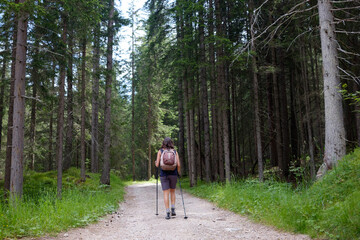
(168,160)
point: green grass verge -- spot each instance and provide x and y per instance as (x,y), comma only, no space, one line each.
(330,208)
(40,212)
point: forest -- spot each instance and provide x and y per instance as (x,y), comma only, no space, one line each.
(245,88)
(248,90)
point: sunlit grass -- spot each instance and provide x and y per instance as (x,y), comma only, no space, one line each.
(40,211)
(329,208)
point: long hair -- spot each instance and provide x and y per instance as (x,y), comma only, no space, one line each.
(167,143)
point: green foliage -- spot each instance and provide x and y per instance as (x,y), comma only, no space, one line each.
(329,208)
(40,211)
(353,97)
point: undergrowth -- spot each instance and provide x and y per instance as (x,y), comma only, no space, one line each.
(41,212)
(329,208)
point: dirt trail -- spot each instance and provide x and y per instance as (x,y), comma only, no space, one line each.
(136,219)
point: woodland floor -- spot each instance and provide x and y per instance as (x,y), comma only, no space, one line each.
(136,219)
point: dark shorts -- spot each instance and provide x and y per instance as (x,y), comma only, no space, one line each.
(168,181)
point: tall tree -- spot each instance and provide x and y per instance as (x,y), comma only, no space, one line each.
(61,100)
(69,134)
(181,146)
(204,92)
(133,88)
(11,107)
(17,154)
(256,91)
(335,146)
(3,80)
(83,84)
(213,85)
(95,101)
(35,81)
(105,176)
(222,85)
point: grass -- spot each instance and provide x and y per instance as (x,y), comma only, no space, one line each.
(41,212)
(329,208)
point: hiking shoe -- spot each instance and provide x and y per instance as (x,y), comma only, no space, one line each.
(173,212)
(167,216)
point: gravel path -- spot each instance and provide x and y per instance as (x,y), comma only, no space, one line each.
(136,219)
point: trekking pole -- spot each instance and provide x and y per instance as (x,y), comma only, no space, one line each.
(182,197)
(157,191)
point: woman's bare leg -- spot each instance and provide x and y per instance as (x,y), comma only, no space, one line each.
(166,198)
(172,194)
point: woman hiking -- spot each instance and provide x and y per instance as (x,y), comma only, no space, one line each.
(168,160)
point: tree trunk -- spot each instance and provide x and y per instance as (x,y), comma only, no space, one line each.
(220,70)
(95,103)
(70,109)
(293,121)
(3,82)
(34,79)
(60,120)
(83,79)
(189,85)
(11,109)
(17,152)
(279,149)
(49,165)
(192,170)
(271,120)
(149,120)
(213,93)
(181,144)
(204,95)
(105,177)
(335,147)
(284,117)
(33,119)
(256,94)
(187,118)
(133,90)
(308,115)
(235,127)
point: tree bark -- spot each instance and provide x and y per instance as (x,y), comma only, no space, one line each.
(83,80)
(70,108)
(213,94)
(11,108)
(17,152)
(284,116)
(279,149)
(204,94)
(49,165)
(60,118)
(293,121)
(335,147)
(271,121)
(256,94)
(33,119)
(308,115)
(105,177)
(95,103)
(187,118)
(133,90)
(34,79)
(149,122)
(189,85)
(224,157)
(192,170)
(181,146)
(3,84)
